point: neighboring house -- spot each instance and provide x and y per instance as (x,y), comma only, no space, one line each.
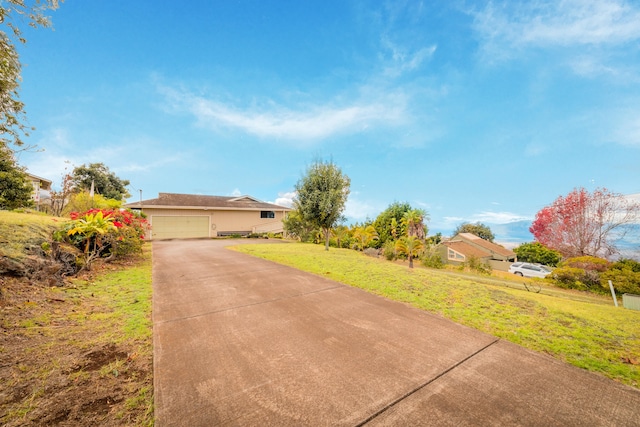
(41,189)
(466,245)
(180,216)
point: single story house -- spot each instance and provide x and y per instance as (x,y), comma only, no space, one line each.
(181,216)
(463,246)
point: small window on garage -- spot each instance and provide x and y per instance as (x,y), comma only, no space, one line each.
(267,214)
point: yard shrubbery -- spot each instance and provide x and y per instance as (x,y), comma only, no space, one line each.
(624,274)
(103,233)
(589,273)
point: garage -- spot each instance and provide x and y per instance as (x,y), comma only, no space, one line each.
(189,216)
(179,227)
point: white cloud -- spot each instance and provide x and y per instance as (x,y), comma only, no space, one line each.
(285,199)
(236,192)
(627,130)
(588,31)
(300,124)
(360,210)
(453,219)
(60,155)
(485,217)
(534,149)
(402,60)
(497,217)
(150,165)
(50,166)
(563,23)
(588,66)
(355,209)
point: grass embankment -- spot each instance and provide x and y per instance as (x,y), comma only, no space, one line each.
(19,230)
(588,332)
(80,354)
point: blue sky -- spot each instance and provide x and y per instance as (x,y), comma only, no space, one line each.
(472,110)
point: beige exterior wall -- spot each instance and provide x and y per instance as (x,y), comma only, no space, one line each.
(500,265)
(222,221)
(246,221)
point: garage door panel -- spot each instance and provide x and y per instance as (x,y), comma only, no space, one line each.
(179,227)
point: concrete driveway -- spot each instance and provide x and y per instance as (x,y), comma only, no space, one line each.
(243,341)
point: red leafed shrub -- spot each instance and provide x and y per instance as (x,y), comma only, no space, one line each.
(118,234)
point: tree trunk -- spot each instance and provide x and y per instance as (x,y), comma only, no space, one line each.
(410,261)
(327,233)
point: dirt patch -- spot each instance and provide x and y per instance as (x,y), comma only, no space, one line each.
(62,364)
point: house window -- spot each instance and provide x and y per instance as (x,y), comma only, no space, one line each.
(267,214)
(455,256)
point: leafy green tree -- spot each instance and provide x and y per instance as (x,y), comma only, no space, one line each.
(479,229)
(15,188)
(321,196)
(105,182)
(411,246)
(389,223)
(296,227)
(413,221)
(536,252)
(12,115)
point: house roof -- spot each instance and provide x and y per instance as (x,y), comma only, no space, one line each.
(487,245)
(466,249)
(186,201)
(45,183)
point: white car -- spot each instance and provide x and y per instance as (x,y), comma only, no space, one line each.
(526,269)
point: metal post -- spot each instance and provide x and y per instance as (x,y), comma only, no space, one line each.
(613,293)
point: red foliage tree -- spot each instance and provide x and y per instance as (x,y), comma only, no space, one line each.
(583,223)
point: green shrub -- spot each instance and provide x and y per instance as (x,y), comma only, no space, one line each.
(625,276)
(569,278)
(259,235)
(104,233)
(476,265)
(389,250)
(631,264)
(582,273)
(588,263)
(431,258)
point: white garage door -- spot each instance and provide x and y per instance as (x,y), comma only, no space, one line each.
(179,227)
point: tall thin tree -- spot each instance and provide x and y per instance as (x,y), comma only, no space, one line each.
(321,195)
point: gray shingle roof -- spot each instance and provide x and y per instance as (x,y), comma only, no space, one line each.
(175,200)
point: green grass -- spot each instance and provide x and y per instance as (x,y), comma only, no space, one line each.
(584,330)
(127,293)
(18,229)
